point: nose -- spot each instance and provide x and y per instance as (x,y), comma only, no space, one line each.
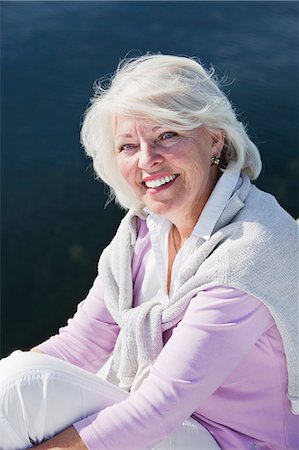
(149,155)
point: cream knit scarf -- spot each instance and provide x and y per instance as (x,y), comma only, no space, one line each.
(252,248)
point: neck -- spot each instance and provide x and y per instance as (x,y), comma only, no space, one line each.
(180,236)
(184,224)
(184,221)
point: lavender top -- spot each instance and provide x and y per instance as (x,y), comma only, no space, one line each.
(224,363)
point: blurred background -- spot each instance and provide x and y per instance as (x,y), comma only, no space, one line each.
(54,220)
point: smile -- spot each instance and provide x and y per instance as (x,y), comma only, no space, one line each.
(160,181)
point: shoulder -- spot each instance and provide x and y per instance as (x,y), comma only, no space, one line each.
(132,224)
(262,223)
(264,209)
(261,240)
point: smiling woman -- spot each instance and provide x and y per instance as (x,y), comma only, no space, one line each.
(173,93)
(195,298)
(169,171)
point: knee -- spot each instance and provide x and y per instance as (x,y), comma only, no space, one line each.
(19,362)
(24,377)
(23,385)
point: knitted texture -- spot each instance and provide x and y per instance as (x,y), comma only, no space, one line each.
(253,248)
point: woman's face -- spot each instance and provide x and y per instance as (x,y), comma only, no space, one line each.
(169,171)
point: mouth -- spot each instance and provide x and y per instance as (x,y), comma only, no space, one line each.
(160,182)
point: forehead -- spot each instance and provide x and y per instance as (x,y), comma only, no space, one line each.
(125,126)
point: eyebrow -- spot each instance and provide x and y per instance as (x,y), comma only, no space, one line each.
(129,135)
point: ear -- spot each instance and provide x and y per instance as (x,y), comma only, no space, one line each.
(218,137)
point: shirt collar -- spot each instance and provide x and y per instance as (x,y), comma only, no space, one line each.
(216,203)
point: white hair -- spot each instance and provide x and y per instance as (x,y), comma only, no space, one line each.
(172,91)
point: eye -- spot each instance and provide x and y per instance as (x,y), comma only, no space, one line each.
(126,147)
(167,135)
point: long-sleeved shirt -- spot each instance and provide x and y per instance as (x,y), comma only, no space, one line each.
(224,362)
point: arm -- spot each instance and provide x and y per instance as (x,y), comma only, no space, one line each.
(89,337)
(219,328)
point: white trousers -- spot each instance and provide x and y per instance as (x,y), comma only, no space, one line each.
(42,395)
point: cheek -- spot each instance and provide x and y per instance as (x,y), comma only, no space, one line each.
(126,168)
(197,175)
(196,165)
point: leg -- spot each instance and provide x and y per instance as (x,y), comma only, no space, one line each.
(42,395)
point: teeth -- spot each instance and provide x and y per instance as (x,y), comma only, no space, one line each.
(159,181)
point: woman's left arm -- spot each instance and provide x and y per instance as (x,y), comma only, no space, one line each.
(219,328)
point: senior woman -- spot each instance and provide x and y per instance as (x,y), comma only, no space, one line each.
(195,297)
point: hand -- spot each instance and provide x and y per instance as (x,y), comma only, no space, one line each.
(67,439)
(36,350)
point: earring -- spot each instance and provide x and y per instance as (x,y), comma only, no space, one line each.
(215,160)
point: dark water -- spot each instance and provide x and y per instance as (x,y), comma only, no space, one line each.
(53,220)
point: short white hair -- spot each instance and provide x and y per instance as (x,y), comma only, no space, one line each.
(173,91)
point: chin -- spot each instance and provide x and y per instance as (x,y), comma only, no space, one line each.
(161,210)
